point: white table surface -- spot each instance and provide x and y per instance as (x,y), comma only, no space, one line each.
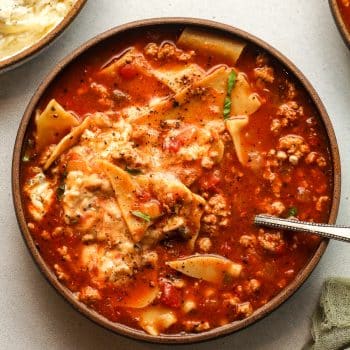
(32,315)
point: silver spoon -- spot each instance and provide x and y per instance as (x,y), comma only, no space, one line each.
(341,233)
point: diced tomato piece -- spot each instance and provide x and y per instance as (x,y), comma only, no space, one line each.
(209,182)
(184,137)
(128,71)
(170,295)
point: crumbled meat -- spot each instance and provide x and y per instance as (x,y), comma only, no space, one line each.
(264,74)
(89,295)
(229,299)
(244,310)
(61,275)
(293,145)
(120,96)
(281,155)
(205,244)
(271,241)
(167,51)
(274,208)
(290,110)
(261,60)
(103,93)
(151,50)
(273,177)
(207,162)
(276,126)
(252,286)
(321,203)
(216,214)
(57,231)
(321,162)
(45,235)
(247,241)
(314,157)
(287,113)
(311,158)
(293,159)
(63,251)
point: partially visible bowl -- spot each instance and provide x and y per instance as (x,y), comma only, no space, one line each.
(29,52)
(340,21)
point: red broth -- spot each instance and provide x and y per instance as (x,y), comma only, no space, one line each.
(273,181)
(344,7)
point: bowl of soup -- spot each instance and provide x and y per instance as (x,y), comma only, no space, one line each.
(27,27)
(341,13)
(141,161)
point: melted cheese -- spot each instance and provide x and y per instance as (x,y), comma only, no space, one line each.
(41,194)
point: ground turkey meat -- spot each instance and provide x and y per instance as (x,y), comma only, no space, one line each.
(89,295)
(216,214)
(293,145)
(167,51)
(265,74)
(287,113)
(271,241)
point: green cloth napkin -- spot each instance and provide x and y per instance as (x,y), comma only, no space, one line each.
(331,321)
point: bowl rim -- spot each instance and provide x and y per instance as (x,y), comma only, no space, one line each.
(27,53)
(339,21)
(67,294)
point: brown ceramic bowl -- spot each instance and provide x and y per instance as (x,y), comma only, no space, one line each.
(67,294)
(37,47)
(342,27)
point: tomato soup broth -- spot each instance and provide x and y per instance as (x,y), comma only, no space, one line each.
(344,8)
(145,164)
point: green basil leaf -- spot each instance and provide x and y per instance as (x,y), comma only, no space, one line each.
(292,211)
(141,215)
(227,107)
(231,82)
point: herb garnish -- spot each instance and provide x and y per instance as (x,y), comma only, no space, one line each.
(227,107)
(292,211)
(133,171)
(141,215)
(231,82)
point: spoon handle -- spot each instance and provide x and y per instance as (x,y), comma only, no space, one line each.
(341,233)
